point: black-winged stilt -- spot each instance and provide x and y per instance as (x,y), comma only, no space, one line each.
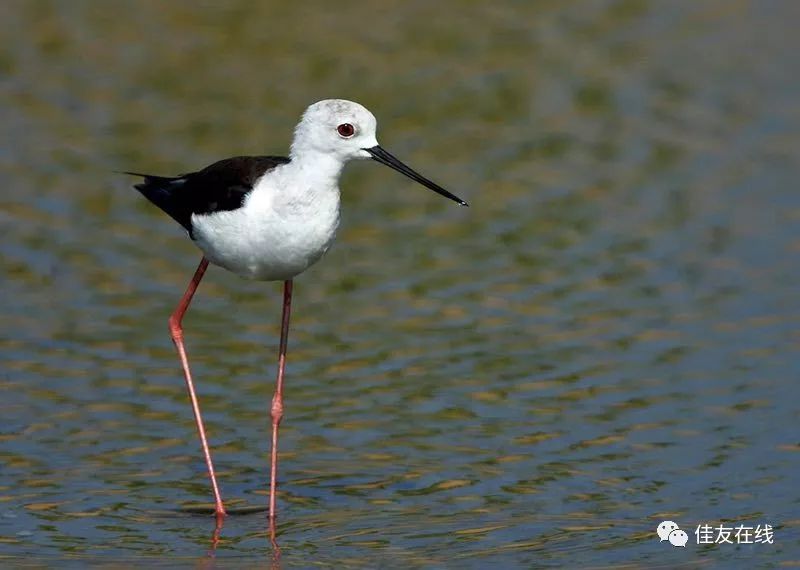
(270,218)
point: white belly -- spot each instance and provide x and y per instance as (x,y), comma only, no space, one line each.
(268,241)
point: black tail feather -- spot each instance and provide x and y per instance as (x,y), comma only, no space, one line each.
(160,190)
(151,178)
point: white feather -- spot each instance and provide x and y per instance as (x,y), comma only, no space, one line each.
(289,219)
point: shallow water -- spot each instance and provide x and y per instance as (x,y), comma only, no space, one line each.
(606,339)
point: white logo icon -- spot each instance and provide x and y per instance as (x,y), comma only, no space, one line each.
(678,538)
(665,528)
(670,531)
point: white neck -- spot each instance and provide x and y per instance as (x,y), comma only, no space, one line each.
(323,169)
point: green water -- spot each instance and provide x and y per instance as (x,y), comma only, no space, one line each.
(605,339)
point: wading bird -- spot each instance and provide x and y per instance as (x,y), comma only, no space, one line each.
(269,218)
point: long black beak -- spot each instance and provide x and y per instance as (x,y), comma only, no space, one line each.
(389,160)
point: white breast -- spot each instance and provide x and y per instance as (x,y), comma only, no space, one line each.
(284,226)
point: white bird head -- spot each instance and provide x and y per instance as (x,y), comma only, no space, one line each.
(335,127)
(345,130)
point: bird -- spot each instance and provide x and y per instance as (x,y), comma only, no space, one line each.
(269,218)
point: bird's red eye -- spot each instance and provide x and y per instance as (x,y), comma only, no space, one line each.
(346,130)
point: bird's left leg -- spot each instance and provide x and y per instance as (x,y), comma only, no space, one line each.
(176,332)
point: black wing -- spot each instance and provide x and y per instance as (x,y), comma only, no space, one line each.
(219,187)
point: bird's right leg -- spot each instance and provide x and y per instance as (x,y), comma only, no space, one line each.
(176,332)
(277,404)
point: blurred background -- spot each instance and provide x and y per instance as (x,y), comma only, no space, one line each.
(605,339)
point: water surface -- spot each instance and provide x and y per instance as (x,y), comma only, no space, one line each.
(606,339)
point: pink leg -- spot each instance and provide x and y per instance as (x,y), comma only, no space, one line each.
(277,402)
(176,331)
(215,539)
